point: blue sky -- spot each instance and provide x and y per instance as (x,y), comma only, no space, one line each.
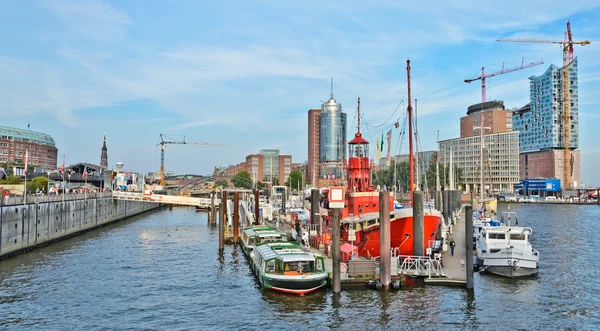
(245,73)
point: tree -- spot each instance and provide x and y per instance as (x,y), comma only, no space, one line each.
(242,179)
(295,180)
(275,181)
(12,179)
(260,185)
(37,183)
(444,176)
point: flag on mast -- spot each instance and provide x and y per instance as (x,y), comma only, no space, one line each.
(84,175)
(378,149)
(397,125)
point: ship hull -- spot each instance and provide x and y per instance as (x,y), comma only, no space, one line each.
(402,237)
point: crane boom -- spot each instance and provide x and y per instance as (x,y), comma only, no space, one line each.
(503,71)
(164,140)
(568,58)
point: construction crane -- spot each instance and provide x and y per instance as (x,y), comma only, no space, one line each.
(568,57)
(168,140)
(503,71)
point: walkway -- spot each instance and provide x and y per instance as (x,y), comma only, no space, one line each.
(454,266)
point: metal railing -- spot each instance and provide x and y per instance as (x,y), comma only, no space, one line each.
(33,198)
(420,266)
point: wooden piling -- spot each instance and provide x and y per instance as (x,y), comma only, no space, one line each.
(469,244)
(445,205)
(212,208)
(335,254)
(385,272)
(256,207)
(222,219)
(236,216)
(314,208)
(418,224)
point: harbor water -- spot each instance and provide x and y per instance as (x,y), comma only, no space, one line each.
(162,271)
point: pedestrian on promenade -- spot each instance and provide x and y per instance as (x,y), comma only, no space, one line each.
(452,245)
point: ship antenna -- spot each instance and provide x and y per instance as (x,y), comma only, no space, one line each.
(358,115)
(410,137)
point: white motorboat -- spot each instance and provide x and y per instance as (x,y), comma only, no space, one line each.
(505,250)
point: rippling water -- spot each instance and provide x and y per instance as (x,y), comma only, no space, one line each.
(163,271)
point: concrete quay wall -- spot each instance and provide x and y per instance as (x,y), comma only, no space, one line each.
(23,227)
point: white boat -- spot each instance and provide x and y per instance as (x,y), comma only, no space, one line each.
(254,235)
(505,250)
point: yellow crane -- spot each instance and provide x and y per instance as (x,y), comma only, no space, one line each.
(164,140)
(568,57)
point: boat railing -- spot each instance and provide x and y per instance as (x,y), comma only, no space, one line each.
(420,266)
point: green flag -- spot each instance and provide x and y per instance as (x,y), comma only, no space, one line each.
(381,142)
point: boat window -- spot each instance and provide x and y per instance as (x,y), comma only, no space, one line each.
(372,222)
(496,236)
(319,265)
(291,266)
(271,266)
(251,241)
(516,236)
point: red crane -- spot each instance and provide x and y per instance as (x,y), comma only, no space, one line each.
(503,71)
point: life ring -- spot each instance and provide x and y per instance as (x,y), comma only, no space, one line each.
(509,262)
(343,268)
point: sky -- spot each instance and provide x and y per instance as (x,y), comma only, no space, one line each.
(245,73)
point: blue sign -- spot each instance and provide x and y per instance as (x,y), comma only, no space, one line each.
(544,185)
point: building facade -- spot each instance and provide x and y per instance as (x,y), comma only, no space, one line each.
(264,167)
(491,114)
(41,148)
(422,161)
(501,160)
(104,156)
(314,134)
(332,139)
(540,123)
(541,127)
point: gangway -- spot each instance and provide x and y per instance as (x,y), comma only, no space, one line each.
(419,266)
(161,198)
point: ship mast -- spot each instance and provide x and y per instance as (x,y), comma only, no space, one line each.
(410,137)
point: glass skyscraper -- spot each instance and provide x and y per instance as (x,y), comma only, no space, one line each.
(332,144)
(541,128)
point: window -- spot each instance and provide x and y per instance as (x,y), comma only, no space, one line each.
(499,236)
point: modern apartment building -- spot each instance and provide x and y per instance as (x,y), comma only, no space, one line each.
(15,142)
(500,160)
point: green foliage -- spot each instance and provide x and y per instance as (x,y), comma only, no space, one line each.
(275,181)
(260,185)
(444,176)
(12,179)
(37,183)
(242,179)
(295,180)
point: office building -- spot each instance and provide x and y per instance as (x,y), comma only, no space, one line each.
(264,167)
(422,161)
(314,133)
(501,160)
(332,139)
(15,142)
(491,114)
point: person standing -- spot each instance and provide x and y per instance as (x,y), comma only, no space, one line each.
(452,245)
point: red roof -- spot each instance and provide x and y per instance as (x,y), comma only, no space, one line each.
(358,139)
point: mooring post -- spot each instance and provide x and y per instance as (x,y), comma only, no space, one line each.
(256,207)
(212,215)
(283,202)
(385,245)
(222,219)
(469,245)
(236,216)
(418,224)
(445,205)
(314,209)
(335,237)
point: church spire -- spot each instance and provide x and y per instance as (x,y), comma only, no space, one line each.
(104,155)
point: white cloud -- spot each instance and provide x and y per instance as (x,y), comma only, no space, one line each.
(91,19)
